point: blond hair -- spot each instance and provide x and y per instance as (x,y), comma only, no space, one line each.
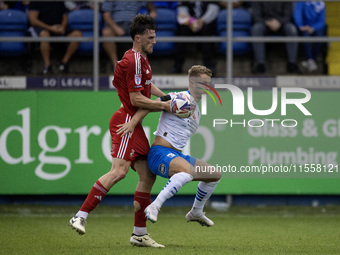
(197,70)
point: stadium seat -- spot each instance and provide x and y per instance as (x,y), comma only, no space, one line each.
(83,20)
(241,27)
(13,23)
(165,4)
(166,22)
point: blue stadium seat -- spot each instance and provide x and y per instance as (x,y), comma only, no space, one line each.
(13,23)
(83,20)
(166,22)
(165,4)
(241,27)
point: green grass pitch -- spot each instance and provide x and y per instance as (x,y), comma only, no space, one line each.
(240,230)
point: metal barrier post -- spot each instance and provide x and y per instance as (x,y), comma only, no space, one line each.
(96,46)
(229,53)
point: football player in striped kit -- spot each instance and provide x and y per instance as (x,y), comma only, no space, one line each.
(166,159)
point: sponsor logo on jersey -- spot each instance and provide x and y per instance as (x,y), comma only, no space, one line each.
(138,79)
(147,71)
(132,152)
(162,168)
(147,82)
(170,155)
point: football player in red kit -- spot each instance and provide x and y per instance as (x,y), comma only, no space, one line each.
(132,79)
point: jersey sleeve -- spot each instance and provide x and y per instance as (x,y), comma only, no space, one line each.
(134,74)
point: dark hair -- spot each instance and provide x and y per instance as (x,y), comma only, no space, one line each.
(140,24)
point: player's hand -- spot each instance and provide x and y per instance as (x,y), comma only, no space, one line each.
(167,106)
(126,128)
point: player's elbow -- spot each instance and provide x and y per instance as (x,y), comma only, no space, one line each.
(136,102)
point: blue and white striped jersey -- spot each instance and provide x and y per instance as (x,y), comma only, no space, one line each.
(175,130)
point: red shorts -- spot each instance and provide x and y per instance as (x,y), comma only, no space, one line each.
(130,149)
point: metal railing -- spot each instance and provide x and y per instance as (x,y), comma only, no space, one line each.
(97,39)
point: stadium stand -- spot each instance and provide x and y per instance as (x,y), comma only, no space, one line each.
(241,27)
(83,20)
(167,25)
(13,52)
(13,23)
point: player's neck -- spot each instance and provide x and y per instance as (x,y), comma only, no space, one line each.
(197,97)
(137,48)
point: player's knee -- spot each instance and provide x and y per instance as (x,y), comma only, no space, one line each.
(218,176)
(120,175)
(117,174)
(215,174)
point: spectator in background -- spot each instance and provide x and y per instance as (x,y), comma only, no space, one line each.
(50,19)
(77,5)
(311,21)
(198,19)
(16,5)
(236,4)
(274,18)
(117,17)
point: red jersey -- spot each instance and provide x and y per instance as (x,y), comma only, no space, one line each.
(132,73)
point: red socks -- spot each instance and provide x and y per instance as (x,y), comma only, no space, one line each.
(144,199)
(98,192)
(95,196)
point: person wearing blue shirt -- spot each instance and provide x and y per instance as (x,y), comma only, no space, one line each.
(310,19)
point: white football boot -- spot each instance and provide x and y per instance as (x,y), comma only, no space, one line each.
(201,219)
(151,213)
(78,223)
(144,241)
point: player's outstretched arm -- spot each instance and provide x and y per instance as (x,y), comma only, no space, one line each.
(156,91)
(140,101)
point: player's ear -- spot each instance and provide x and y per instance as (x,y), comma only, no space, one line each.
(137,38)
